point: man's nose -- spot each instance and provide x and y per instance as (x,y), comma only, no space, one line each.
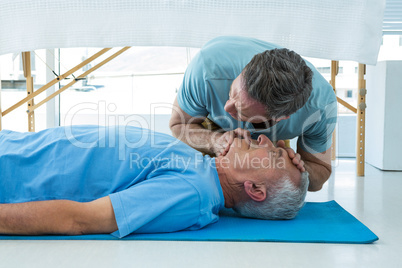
(230,106)
(263,140)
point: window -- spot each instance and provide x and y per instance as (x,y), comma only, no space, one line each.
(136,88)
(140,82)
(324,70)
(13,89)
(327,70)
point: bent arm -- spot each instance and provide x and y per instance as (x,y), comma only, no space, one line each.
(190,130)
(62,217)
(318,166)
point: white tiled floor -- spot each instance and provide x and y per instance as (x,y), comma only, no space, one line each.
(374,199)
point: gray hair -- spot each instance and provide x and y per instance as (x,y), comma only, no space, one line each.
(279,79)
(283,201)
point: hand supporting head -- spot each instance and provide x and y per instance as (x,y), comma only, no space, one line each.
(261,181)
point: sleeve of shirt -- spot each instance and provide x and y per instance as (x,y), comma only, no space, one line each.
(160,204)
(192,93)
(320,126)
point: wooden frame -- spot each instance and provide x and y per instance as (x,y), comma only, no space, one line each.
(26,61)
(360,110)
(334,73)
(32,94)
(361,120)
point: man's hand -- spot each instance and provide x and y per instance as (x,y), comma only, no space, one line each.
(190,130)
(296,158)
(223,141)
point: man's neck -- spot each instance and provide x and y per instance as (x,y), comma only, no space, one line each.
(224,181)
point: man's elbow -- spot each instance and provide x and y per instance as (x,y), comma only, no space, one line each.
(74,219)
(175,128)
(75,228)
(327,173)
(95,217)
(315,187)
(317,183)
(76,225)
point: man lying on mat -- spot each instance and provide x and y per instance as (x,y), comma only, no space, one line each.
(122,180)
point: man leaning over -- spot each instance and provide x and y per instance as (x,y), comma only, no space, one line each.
(249,87)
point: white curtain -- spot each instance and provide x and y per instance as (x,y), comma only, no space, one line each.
(328,29)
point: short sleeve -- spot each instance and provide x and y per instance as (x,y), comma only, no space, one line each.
(192,97)
(319,128)
(159,204)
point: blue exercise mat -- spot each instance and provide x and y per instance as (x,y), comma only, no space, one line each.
(325,222)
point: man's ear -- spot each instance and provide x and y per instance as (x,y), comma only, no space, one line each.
(255,192)
(281,118)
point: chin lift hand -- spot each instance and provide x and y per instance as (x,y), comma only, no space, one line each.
(224,141)
(296,158)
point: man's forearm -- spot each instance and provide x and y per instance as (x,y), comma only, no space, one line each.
(37,218)
(58,217)
(196,136)
(318,175)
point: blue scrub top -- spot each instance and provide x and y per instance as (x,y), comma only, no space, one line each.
(155,182)
(206,85)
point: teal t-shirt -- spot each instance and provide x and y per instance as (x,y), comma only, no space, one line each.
(155,182)
(206,85)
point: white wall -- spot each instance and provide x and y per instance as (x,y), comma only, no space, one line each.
(383,117)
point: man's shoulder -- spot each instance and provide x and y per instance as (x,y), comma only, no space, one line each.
(320,107)
(322,94)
